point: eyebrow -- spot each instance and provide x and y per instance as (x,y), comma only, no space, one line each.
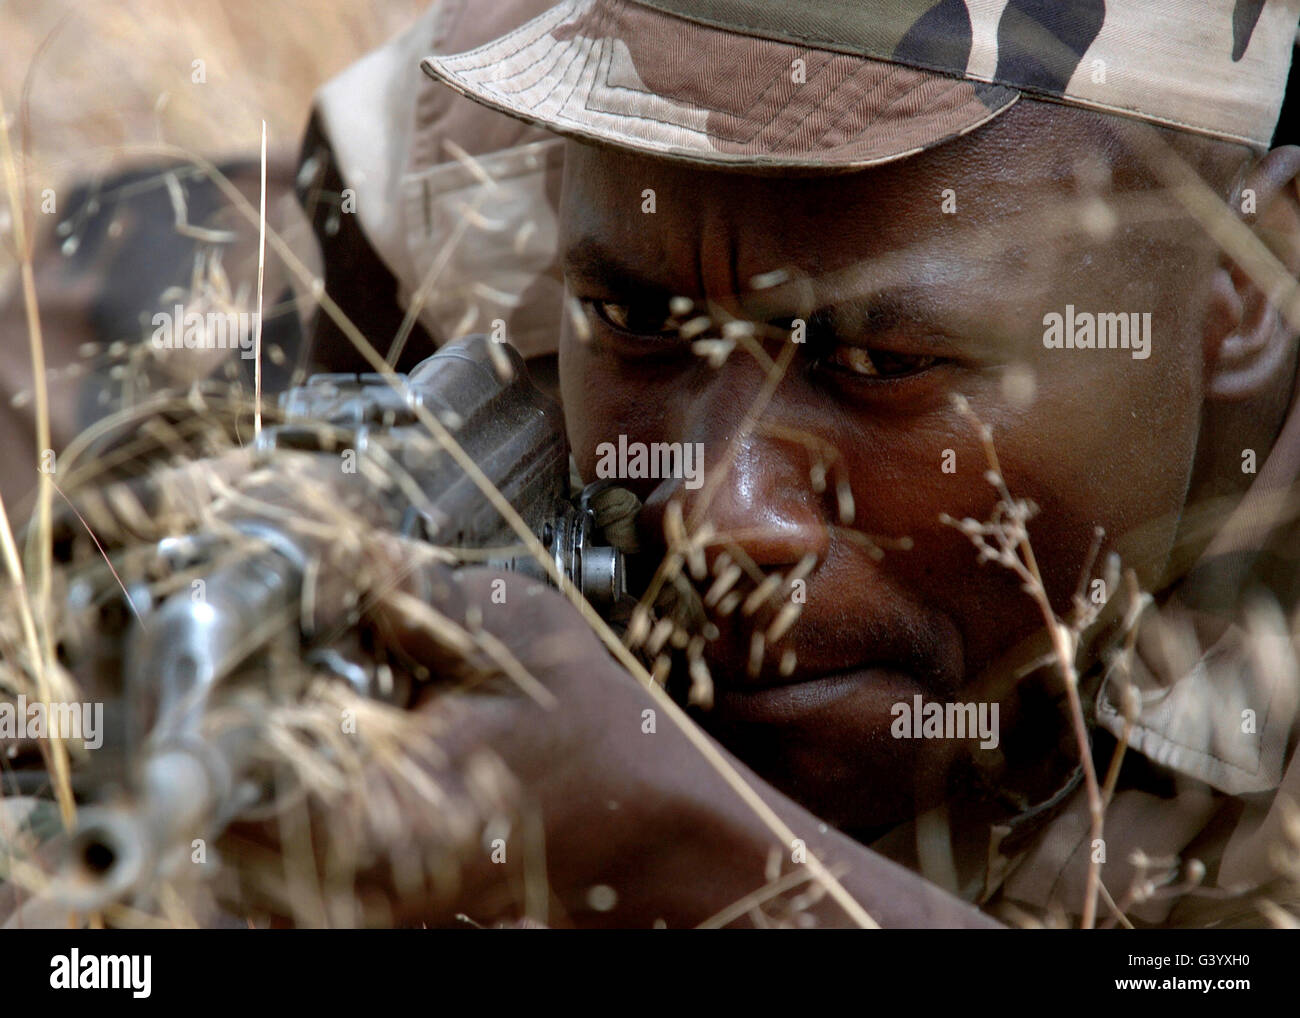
(594,262)
(878,311)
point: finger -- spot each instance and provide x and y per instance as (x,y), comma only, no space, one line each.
(417,609)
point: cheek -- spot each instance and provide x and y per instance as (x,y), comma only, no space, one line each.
(1111,446)
(604,398)
(575,396)
(1111,450)
(1115,447)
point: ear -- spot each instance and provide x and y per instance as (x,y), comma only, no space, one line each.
(1248,338)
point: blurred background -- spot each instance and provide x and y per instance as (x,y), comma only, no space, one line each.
(112,109)
(86,81)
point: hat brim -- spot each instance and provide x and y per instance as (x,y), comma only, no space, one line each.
(618,73)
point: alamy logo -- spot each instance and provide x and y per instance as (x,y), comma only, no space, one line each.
(179,329)
(934,720)
(39,720)
(75,971)
(1084,330)
(658,460)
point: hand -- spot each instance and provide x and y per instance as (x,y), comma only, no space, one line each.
(553,786)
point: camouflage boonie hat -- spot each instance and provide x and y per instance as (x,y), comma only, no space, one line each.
(842,84)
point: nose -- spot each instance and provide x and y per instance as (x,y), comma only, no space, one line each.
(757,495)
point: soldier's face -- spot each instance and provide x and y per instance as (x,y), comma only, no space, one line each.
(916,281)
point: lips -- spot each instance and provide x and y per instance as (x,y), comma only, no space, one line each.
(856,697)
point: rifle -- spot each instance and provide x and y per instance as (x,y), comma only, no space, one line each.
(187,657)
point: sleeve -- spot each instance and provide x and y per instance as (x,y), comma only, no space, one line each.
(435,216)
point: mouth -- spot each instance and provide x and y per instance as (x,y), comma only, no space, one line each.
(825,741)
(860,694)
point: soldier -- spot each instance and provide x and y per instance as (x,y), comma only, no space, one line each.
(869,211)
(834,247)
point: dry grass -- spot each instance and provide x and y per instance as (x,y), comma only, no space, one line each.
(83,81)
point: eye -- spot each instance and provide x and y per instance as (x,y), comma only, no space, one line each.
(872,363)
(650,317)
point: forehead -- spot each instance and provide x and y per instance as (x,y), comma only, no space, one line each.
(980,208)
